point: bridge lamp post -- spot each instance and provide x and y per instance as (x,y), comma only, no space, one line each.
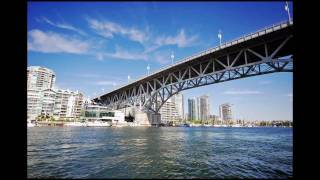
(220,36)
(172,57)
(148,69)
(129,78)
(286,7)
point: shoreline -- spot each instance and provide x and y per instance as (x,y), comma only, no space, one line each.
(115,126)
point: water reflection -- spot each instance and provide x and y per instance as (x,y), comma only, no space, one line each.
(165,152)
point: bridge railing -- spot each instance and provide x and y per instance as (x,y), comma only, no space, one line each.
(262,31)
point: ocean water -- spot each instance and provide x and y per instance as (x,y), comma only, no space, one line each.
(165,152)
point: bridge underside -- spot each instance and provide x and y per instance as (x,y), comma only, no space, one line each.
(267,54)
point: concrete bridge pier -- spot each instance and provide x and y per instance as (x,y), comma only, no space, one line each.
(141,117)
(147,118)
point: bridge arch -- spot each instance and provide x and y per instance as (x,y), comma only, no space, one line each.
(267,51)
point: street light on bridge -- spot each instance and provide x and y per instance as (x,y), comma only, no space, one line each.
(129,78)
(286,7)
(220,36)
(172,57)
(148,68)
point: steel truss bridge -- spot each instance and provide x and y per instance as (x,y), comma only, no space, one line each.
(266,51)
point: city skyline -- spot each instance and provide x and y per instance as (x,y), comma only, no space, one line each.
(86,48)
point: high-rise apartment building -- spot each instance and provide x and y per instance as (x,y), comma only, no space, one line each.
(197,104)
(47,102)
(169,112)
(179,104)
(68,104)
(40,78)
(199,108)
(192,109)
(225,112)
(42,99)
(173,109)
(204,107)
(34,103)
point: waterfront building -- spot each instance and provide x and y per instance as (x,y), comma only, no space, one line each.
(68,104)
(225,112)
(186,116)
(34,103)
(47,102)
(192,109)
(92,113)
(213,119)
(169,112)
(87,101)
(179,103)
(40,78)
(199,108)
(203,107)
(43,99)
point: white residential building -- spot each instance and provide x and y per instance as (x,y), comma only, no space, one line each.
(169,112)
(225,112)
(42,99)
(47,102)
(68,104)
(34,103)
(179,103)
(40,78)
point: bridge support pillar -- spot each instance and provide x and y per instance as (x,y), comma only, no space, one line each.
(147,118)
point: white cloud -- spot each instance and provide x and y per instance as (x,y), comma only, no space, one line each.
(106,83)
(181,40)
(108,29)
(243,92)
(162,59)
(49,42)
(63,26)
(100,56)
(123,54)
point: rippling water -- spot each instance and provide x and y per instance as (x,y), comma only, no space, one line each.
(167,152)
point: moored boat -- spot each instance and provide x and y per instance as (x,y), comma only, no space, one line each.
(74,124)
(30,123)
(98,123)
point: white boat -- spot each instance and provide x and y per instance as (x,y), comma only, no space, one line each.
(98,123)
(195,125)
(208,125)
(236,125)
(120,125)
(30,124)
(74,124)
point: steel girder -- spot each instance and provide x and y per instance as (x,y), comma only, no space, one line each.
(262,58)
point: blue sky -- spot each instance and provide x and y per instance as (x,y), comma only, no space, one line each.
(93,47)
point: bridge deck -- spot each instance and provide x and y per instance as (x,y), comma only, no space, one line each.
(266,34)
